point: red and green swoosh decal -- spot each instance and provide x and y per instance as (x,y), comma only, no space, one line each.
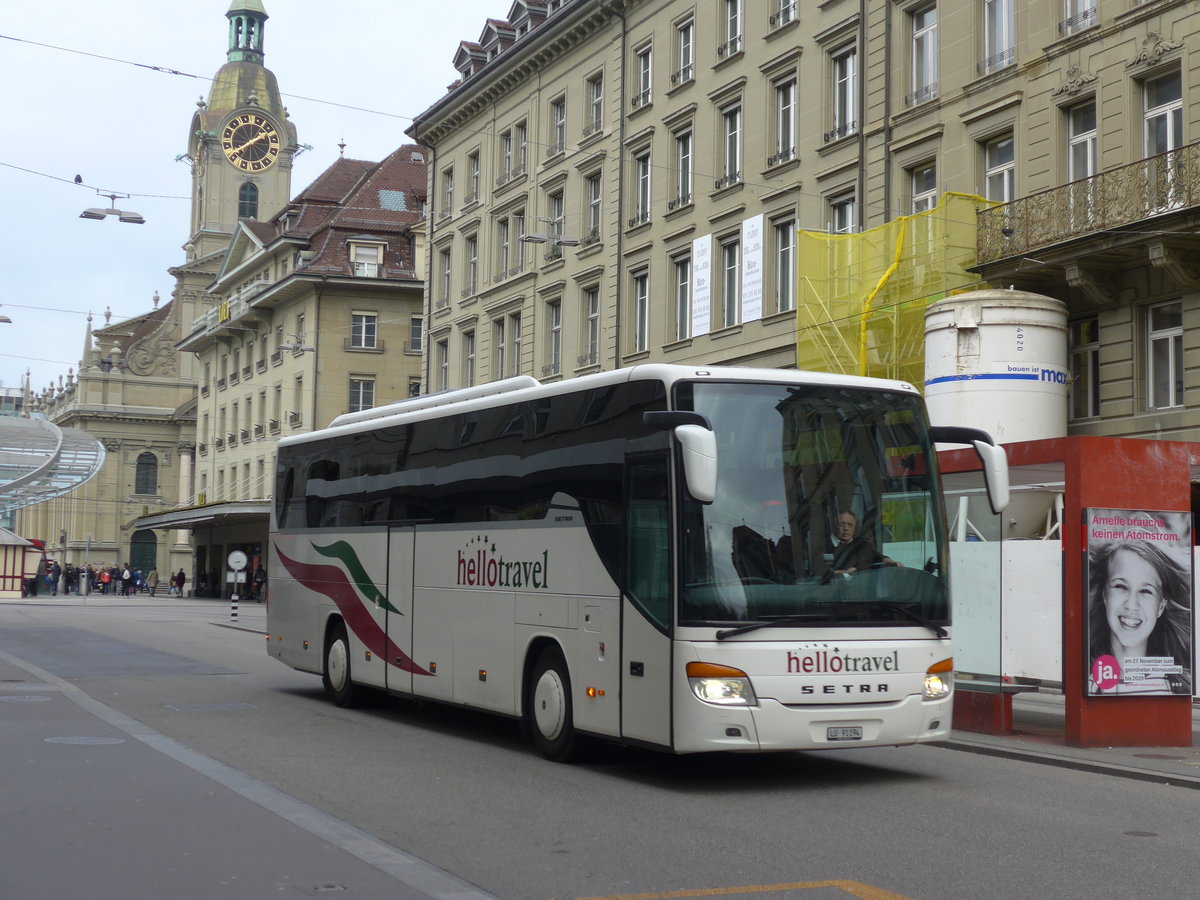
(332,582)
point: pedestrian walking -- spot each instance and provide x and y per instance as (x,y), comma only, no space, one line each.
(126,580)
(259,582)
(55,575)
(152,582)
(178,582)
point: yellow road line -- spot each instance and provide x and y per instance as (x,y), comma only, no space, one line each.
(853,888)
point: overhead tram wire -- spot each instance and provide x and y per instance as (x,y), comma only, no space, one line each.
(623,158)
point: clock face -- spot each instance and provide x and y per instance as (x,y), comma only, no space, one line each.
(250,142)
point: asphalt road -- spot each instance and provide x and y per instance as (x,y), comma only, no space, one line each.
(214,771)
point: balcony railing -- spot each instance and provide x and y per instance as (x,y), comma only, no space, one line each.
(1119,197)
(1078,22)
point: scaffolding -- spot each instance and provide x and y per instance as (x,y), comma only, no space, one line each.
(862,297)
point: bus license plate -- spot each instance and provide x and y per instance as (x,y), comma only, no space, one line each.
(844,733)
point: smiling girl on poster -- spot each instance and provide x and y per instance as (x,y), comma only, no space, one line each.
(1139,603)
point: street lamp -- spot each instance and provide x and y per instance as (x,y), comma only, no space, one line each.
(122,215)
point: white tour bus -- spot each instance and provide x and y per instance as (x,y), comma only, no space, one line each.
(648,555)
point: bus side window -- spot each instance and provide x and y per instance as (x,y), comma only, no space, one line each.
(648,578)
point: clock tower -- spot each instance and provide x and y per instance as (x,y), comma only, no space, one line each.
(241,142)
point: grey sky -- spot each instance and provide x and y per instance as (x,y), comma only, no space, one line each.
(96,109)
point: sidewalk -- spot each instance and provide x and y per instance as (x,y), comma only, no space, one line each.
(1038,723)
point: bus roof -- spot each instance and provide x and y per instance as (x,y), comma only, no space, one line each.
(524,388)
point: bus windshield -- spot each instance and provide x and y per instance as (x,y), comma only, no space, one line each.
(826,511)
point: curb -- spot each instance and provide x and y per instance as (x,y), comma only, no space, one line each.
(1071,762)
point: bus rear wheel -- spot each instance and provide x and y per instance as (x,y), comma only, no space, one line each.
(336,678)
(549,708)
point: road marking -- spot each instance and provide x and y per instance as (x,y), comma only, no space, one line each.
(404,867)
(853,888)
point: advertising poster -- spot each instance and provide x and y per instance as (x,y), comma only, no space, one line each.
(1139,602)
(701,284)
(752,270)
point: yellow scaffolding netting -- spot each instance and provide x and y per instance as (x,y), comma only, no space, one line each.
(861,298)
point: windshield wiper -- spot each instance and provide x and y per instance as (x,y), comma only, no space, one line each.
(905,611)
(767,623)
(808,617)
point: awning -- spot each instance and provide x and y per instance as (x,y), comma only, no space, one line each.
(210,515)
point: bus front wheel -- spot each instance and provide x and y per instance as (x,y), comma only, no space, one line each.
(336,678)
(549,707)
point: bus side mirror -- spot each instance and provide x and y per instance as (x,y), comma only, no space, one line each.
(698,445)
(995,474)
(993,457)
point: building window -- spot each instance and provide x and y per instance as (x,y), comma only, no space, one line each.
(1078,15)
(785,265)
(447,193)
(785,12)
(685,52)
(845,94)
(641,188)
(591,327)
(591,194)
(362,394)
(1084,335)
(595,95)
(471,271)
(514,343)
(521,148)
(416,334)
(732,21)
(1000,169)
(506,157)
(683,169)
(498,349)
(641,312)
(367,260)
(556,207)
(731,146)
(444,270)
(785,122)
(1081,141)
(924,55)
(510,250)
(843,214)
(641,77)
(553,338)
(443,364)
(998,45)
(145,479)
(472,177)
(1164,114)
(558,127)
(683,298)
(1082,194)
(248,201)
(923,187)
(363,330)
(468,344)
(731,281)
(1165,355)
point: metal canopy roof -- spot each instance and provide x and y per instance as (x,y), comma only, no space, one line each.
(40,461)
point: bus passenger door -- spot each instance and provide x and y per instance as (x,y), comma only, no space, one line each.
(645,606)
(399,608)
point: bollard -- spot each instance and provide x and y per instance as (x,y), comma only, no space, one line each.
(233,608)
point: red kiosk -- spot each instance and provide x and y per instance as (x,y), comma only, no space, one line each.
(1099,473)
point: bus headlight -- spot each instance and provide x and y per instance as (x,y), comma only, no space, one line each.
(722,685)
(939,680)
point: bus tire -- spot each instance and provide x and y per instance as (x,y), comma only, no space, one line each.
(549,710)
(336,677)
